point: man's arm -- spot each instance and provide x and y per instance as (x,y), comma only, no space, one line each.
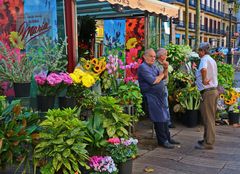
(159,78)
(205,81)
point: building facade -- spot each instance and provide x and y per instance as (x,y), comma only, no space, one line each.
(214,20)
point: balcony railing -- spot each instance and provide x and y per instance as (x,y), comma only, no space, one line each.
(204,7)
(203,28)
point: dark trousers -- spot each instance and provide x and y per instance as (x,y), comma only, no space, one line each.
(162,132)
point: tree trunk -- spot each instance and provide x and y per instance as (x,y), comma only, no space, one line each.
(197,25)
(186,22)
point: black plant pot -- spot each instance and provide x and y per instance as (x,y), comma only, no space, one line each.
(45,102)
(190,118)
(22,89)
(67,102)
(125,168)
(233,118)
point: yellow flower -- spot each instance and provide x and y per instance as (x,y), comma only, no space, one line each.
(79,72)
(16,40)
(75,78)
(87,65)
(88,80)
(94,61)
(221,96)
(131,43)
(97,69)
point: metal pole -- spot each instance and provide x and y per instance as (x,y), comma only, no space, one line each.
(229,54)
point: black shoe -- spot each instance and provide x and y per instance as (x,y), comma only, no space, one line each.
(171,126)
(172,141)
(200,142)
(167,145)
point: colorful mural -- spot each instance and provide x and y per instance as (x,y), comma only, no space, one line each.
(114,38)
(11,13)
(134,45)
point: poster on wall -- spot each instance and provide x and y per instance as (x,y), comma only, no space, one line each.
(134,46)
(114,38)
(11,12)
(40,19)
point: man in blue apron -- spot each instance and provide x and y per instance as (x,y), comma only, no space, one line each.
(153,90)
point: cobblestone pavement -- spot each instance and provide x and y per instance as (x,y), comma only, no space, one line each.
(184,159)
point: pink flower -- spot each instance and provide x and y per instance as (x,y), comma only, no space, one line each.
(114,140)
(66,78)
(40,78)
(54,79)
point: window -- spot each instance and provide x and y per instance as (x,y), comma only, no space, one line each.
(211,25)
(206,23)
(219,5)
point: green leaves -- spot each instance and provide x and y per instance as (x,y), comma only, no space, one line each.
(62,141)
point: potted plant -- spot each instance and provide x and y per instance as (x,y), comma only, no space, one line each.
(123,151)
(230,98)
(17,68)
(18,132)
(112,116)
(189,99)
(49,86)
(130,95)
(61,148)
(102,165)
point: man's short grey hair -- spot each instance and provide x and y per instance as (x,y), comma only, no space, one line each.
(160,52)
(204,46)
(147,51)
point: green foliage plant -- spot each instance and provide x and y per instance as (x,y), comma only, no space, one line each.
(129,94)
(225,75)
(18,131)
(51,54)
(114,120)
(95,136)
(189,98)
(15,67)
(62,143)
(177,54)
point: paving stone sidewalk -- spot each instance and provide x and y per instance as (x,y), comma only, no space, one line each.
(184,159)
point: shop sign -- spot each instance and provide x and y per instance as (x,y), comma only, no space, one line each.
(28,33)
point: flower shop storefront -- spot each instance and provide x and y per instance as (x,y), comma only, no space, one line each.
(123,29)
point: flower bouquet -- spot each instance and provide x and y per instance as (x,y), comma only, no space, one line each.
(102,165)
(122,149)
(230,99)
(52,84)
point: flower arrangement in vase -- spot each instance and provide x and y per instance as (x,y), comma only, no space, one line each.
(102,165)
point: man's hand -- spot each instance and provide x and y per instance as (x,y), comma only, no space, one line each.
(159,78)
(206,82)
(165,64)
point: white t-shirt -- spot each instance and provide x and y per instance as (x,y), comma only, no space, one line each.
(208,63)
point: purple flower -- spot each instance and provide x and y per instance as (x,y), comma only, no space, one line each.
(54,79)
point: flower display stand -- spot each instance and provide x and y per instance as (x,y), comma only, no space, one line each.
(126,168)
(22,89)
(190,118)
(233,118)
(66,102)
(45,102)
